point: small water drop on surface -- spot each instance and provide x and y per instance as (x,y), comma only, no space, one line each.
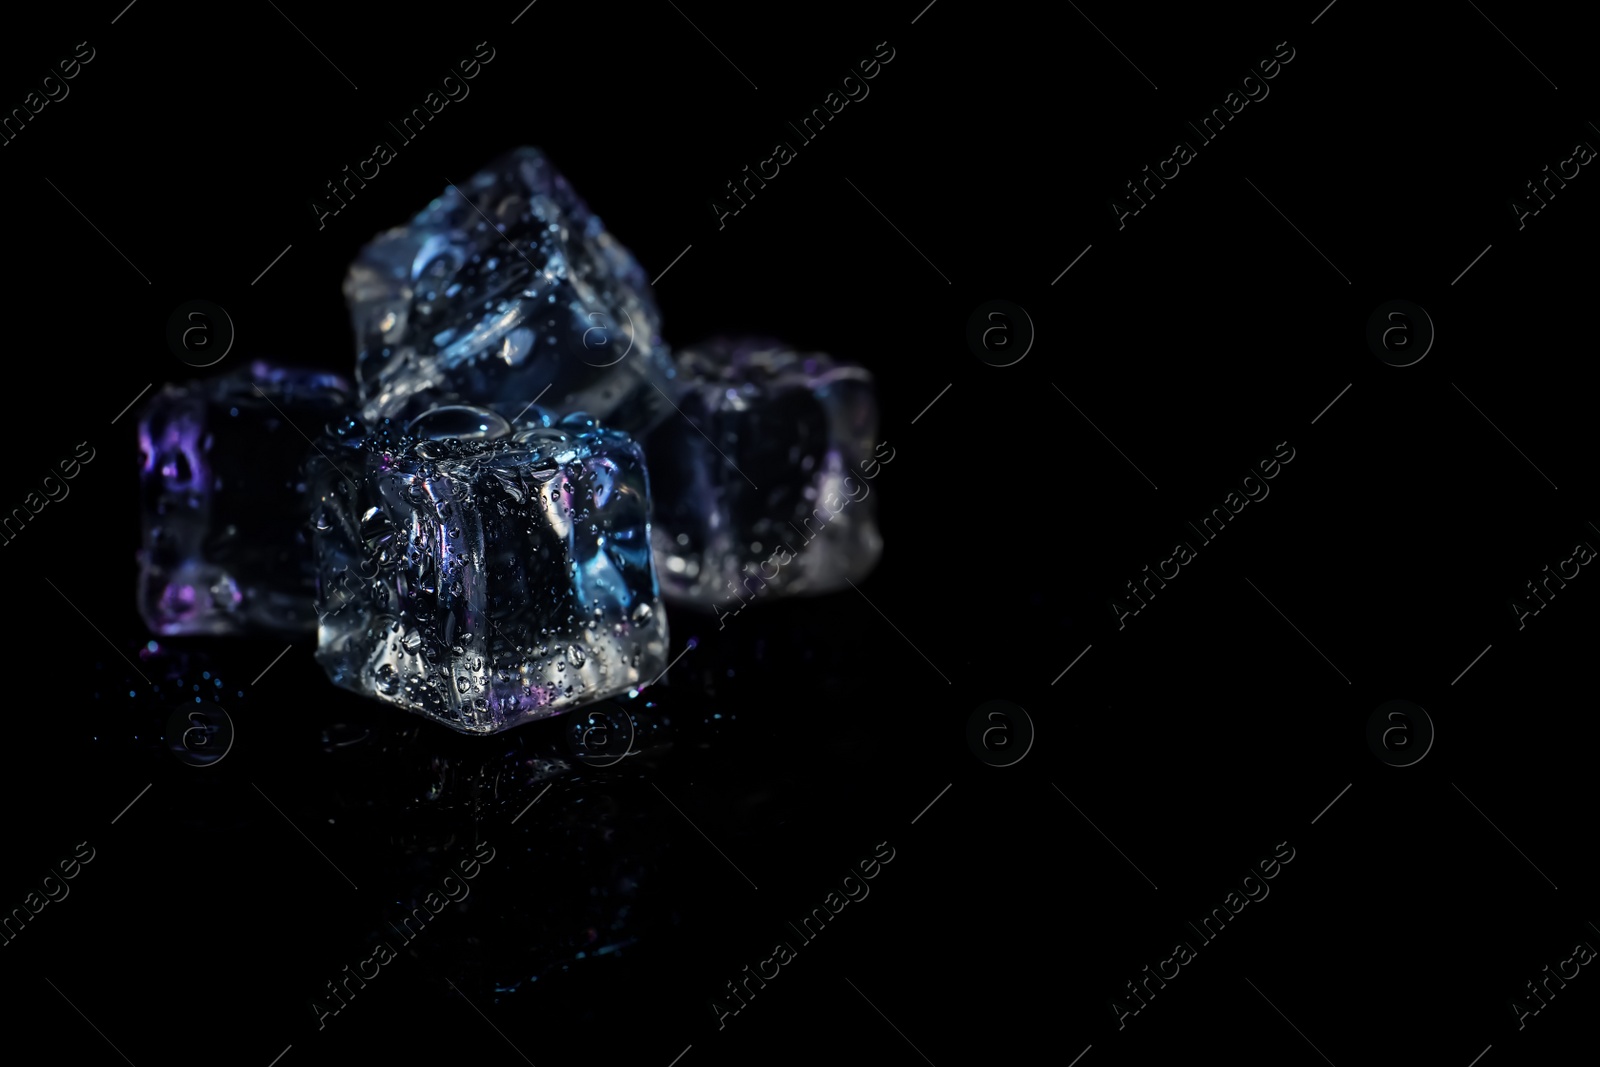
(458,421)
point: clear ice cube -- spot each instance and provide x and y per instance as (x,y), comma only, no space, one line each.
(764,484)
(499,290)
(481,573)
(225,542)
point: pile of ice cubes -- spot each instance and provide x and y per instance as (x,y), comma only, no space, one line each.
(482,529)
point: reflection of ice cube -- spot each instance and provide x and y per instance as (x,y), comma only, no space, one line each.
(225,548)
(764,483)
(499,289)
(485,580)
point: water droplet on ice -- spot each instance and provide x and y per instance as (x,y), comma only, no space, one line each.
(461,422)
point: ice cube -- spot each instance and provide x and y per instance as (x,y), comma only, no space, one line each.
(499,290)
(485,574)
(763,483)
(225,544)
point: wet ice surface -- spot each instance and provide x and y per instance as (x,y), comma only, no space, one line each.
(771,489)
(225,541)
(482,574)
(502,287)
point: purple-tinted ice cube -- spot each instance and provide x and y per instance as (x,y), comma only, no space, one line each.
(226,548)
(764,484)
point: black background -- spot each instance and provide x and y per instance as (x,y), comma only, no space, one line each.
(1214,726)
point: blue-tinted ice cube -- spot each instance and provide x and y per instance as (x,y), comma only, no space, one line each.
(503,288)
(481,574)
(764,484)
(225,542)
